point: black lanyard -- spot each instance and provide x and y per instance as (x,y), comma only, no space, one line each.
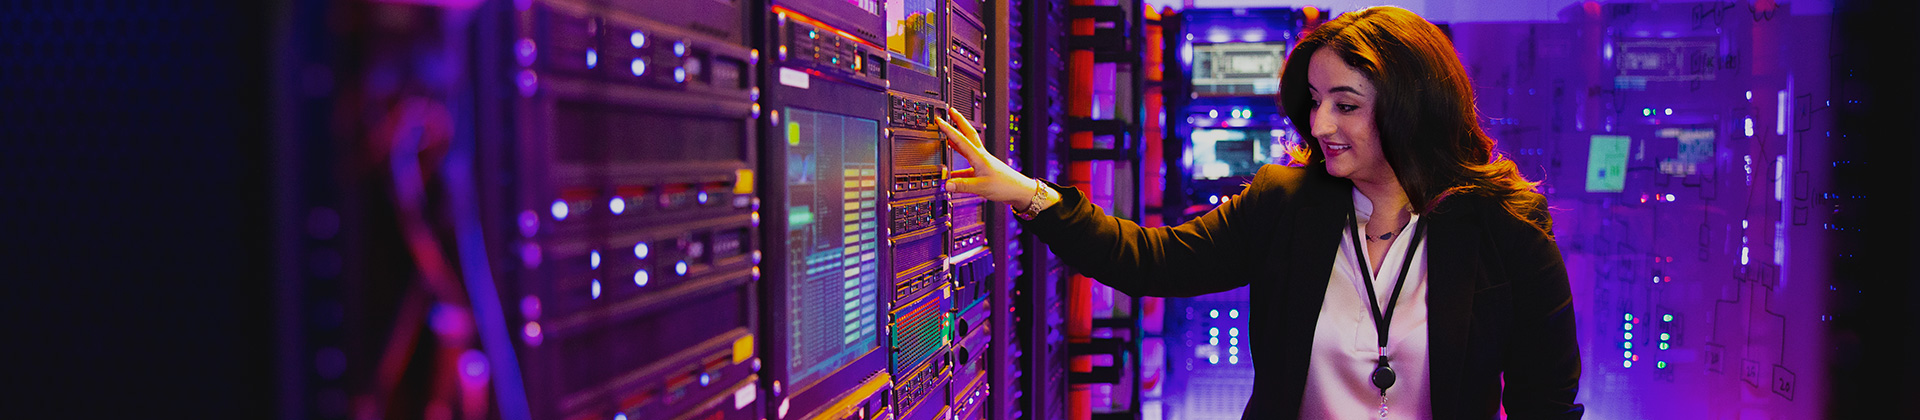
(1383,375)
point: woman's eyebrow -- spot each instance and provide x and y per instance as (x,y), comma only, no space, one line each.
(1348,89)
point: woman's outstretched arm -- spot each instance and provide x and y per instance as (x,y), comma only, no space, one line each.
(1205,255)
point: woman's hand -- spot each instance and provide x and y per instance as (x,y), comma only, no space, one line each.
(988,177)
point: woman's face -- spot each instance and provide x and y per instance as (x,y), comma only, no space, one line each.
(1342,119)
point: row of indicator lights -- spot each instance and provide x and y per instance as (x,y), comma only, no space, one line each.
(618,205)
(530,308)
(1234,113)
(1231,313)
(530,305)
(640,277)
(525,51)
(1746,252)
(1628,344)
(639,65)
(1233,339)
(1233,346)
(815,34)
(1658,198)
(1746,123)
(1665,321)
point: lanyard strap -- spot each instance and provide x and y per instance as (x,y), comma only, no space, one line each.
(1380,321)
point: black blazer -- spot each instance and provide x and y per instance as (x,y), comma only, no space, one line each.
(1498,300)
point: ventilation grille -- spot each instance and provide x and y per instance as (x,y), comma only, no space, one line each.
(906,256)
(909,153)
(963,94)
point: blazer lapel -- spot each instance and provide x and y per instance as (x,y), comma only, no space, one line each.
(1305,262)
(1313,248)
(1453,267)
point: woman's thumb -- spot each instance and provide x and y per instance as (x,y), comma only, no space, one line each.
(963,185)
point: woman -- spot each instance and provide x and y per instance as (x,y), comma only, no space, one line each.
(1470,307)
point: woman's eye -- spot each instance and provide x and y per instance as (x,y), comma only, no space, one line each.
(1314,103)
(1348,108)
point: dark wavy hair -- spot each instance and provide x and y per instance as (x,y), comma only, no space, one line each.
(1424,111)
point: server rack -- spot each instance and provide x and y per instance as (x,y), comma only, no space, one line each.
(623,227)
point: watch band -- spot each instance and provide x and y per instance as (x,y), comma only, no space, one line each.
(1038,203)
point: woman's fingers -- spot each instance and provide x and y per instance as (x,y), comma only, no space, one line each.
(995,181)
(959,142)
(973,136)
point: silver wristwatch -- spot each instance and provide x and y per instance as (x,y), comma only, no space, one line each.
(1042,197)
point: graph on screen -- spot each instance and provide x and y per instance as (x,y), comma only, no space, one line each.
(833,237)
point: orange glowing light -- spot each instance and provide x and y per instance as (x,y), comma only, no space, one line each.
(790,14)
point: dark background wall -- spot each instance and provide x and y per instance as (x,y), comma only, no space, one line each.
(133,169)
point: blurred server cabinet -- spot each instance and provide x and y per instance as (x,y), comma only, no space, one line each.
(618,176)
(1223,124)
(1039,337)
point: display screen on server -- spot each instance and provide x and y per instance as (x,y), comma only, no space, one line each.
(1238,68)
(1231,153)
(912,33)
(832,241)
